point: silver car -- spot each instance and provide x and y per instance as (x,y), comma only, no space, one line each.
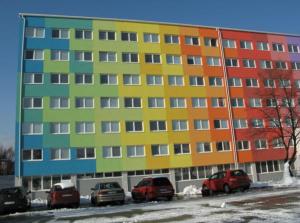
(107,192)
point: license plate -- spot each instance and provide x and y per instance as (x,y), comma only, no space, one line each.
(9,202)
(67,195)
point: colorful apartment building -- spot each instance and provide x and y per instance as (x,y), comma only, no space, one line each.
(110,99)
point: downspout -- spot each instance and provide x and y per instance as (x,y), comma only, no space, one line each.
(20,93)
(233,139)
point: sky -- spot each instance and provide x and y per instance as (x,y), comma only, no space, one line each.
(261,15)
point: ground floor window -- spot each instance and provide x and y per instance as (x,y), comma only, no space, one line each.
(268,166)
(191,173)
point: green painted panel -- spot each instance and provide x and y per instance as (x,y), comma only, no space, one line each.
(68,23)
(32,115)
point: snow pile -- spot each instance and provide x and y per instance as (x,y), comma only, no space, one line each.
(191,190)
(38,202)
(287,180)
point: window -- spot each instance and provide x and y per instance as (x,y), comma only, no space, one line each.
(175,80)
(237,102)
(32,102)
(231,62)
(199,102)
(34,54)
(59,55)
(34,32)
(32,128)
(211,42)
(154,79)
(218,102)
(172,39)
(288,102)
(255,102)
(84,78)
(83,34)
(297,83)
(110,126)
(278,47)
(182,148)
(131,79)
(267,167)
(265,64)
(60,33)
(227,43)
(221,124)
(108,79)
(295,65)
(201,124)
(257,123)
(85,127)
(191,40)
(135,151)
(173,59)
(32,154)
(130,57)
(129,36)
(59,128)
(235,82)
(274,123)
(269,83)
(107,56)
(60,154)
(262,46)
(84,102)
(249,63)
(59,79)
(293,48)
(134,126)
(156,102)
(215,81)
(177,103)
(271,102)
(159,150)
(152,58)
(243,145)
(30,78)
(260,144)
(107,35)
(158,126)
(251,82)
(247,45)
(280,65)
(240,123)
(222,146)
(132,102)
(213,61)
(111,152)
(84,56)
(59,102)
(86,153)
(179,125)
(284,83)
(203,147)
(151,38)
(194,60)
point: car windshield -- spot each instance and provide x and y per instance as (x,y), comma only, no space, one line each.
(112,185)
(161,182)
(13,190)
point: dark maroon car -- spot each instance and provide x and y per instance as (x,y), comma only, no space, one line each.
(226,181)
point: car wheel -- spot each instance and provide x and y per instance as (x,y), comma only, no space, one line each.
(206,192)
(227,189)
(147,197)
(93,201)
(121,202)
(169,198)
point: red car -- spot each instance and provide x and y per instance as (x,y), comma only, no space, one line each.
(153,188)
(226,181)
(63,194)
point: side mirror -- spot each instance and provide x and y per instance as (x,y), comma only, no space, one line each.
(93,188)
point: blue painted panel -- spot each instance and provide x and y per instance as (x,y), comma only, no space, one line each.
(35,21)
(33,66)
(17,152)
(32,141)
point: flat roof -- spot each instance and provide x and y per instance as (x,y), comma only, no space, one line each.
(153,22)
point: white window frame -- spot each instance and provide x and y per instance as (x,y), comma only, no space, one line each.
(152,80)
(176,102)
(31,101)
(180,124)
(172,59)
(295,65)
(106,32)
(172,37)
(242,148)
(173,80)
(276,47)
(130,54)
(257,123)
(208,42)
(31,155)
(218,102)
(132,102)
(134,126)
(110,56)
(85,153)
(59,78)
(181,148)
(202,124)
(34,56)
(200,147)
(260,144)
(152,56)
(82,56)
(155,100)
(263,46)
(215,81)
(84,75)
(224,145)
(60,33)
(246,45)
(60,154)
(131,78)
(223,124)
(235,102)
(252,82)
(267,83)
(109,79)
(84,103)
(247,63)
(281,65)
(213,61)
(293,48)
(196,102)
(110,148)
(31,126)
(59,102)
(34,32)
(232,62)
(157,122)
(240,123)
(129,36)
(229,43)
(84,36)
(189,40)
(235,82)
(84,127)
(59,126)
(109,102)
(31,78)
(196,60)
(134,148)
(151,37)
(255,103)
(109,124)
(60,52)
(159,150)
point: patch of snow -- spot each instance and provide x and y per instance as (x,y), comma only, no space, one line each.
(191,190)
(223,205)
(287,180)
(38,202)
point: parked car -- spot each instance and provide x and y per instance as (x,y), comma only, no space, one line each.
(63,194)
(14,199)
(107,192)
(152,189)
(226,181)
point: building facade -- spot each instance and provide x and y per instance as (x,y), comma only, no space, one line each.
(101,99)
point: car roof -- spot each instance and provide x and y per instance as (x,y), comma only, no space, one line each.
(65,184)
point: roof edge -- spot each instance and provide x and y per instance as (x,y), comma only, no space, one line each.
(155,22)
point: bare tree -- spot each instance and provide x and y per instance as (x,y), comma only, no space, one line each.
(282,110)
